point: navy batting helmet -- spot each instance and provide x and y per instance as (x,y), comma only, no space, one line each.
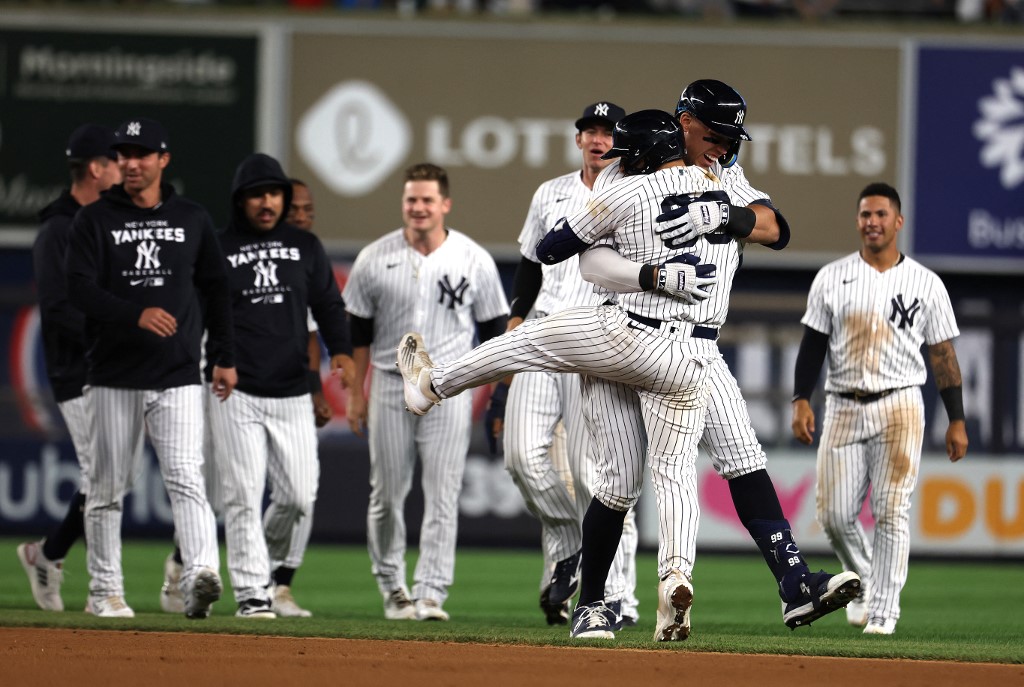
(720,108)
(645,140)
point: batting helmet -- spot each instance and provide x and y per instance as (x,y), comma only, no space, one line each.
(720,108)
(645,140)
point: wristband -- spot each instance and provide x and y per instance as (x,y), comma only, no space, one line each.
(953,399)
(313,378)
(650,278)
(738,221)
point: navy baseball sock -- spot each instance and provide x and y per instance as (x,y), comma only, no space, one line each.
(283,576)
(602,529)
(70,529)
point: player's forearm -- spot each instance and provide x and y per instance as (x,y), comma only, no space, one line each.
(766,226)
(809,359)
(361,358)
(604,266)
(946,369)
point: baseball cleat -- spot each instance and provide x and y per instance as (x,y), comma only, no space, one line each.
(820,594)
(44,576)
(592,621)
(857,611)
(415,365)
(675,597)
(429,609)
(398,605)
(171,598)
(880,626)
(258,609)
(554,613)
(285,606)
(206,589)
(108,607)
(564,580)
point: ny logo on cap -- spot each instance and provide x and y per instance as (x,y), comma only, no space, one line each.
(601,109)
(134,128)
(740,114)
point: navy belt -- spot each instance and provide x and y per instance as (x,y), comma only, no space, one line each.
(698,332)
(862,397)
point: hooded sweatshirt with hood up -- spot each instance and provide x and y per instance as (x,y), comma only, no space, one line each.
(276,276)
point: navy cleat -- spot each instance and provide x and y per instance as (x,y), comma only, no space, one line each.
(815,595)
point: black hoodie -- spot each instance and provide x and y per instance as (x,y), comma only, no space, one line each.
(62,324)
(123,259)
(275,276)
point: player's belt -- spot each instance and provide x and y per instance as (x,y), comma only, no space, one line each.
(698,332)
(863,397)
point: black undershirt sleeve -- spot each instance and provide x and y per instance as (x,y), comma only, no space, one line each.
(491,328)
(525,287)
(809,359)
(362,330)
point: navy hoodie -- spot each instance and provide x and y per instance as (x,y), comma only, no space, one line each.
(123,259)
(62,324)
(275,276)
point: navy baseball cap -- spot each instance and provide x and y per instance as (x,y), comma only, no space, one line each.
(144,133)
(606,112)
(89,141)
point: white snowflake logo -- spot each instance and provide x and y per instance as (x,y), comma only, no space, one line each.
(134,128)
(1001,128)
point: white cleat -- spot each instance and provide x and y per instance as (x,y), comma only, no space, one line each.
(675,597)
(857,611)
(398,605)
(206,589)
(284,604)
(171,598)
(44,575)
(109,607)
(415,366)
(429,609)
(880,626)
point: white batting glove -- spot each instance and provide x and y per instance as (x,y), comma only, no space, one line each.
(685,278)
(685,221)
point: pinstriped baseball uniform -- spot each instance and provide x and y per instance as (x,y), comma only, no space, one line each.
(664,363)
(443,295)
(876,323)
(728,436)
(537,401)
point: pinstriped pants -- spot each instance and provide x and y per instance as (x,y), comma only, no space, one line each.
(78,417)
(878,445)
(441,441)
(173,418)
(255,437)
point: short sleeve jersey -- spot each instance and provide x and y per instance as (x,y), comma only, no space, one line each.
(877,321)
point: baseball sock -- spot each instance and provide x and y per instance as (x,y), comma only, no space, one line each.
(758,508)
(283,576)
(70,529)
(602,529)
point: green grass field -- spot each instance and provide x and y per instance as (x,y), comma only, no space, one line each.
(951,611)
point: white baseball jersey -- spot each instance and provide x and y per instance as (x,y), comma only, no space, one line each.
(538,401)
(443,295)
(877,321)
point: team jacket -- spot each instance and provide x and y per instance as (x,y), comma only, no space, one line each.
(274,277)
(123,259)
(62,324)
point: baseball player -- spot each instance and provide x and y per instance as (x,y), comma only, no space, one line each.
(538,401)
(275,272)
(652,341)
(436,279)
(708,111)
(93,166)
(138,262)
(301,214)
(869,313)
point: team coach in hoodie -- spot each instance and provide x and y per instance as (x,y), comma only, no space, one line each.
(139,260)
(276,272)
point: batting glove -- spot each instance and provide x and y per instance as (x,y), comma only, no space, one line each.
(683,220)
(495,415)
(685,278)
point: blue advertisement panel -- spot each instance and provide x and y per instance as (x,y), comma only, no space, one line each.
(969,162)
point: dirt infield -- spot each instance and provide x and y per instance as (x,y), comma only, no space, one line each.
(90,658)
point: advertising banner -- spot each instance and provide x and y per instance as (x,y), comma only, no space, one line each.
(498,111)
(969,158)
(201,88)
